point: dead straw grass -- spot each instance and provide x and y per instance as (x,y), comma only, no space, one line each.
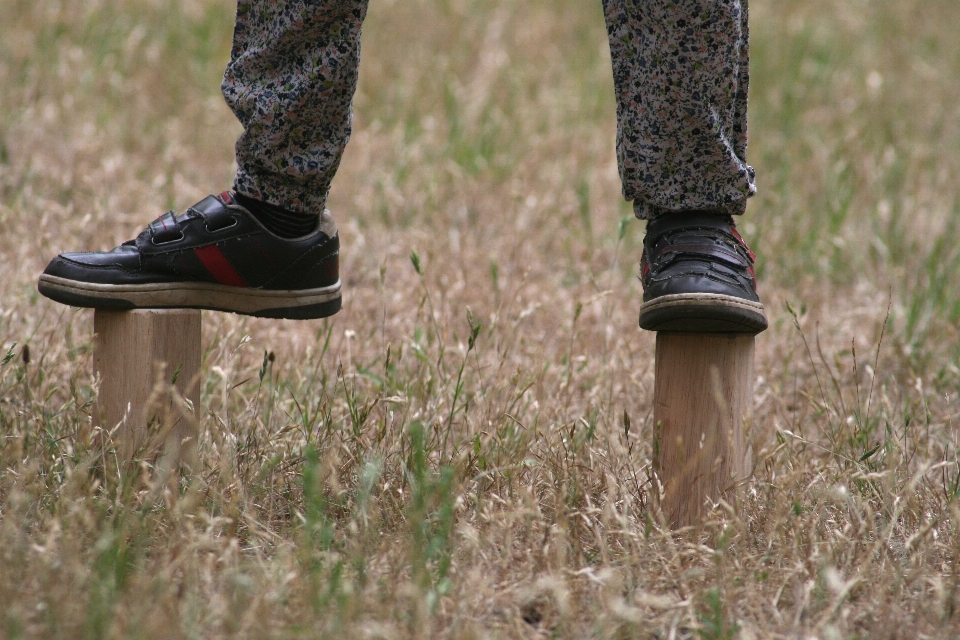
(464,452)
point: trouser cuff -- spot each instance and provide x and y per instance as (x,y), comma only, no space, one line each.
(648,211)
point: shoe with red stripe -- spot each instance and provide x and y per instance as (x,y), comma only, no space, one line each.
(697,275)
(215,256)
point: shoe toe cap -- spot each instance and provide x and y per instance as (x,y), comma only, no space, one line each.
(94,266)
(705,282)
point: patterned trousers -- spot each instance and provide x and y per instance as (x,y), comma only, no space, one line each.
(680,70)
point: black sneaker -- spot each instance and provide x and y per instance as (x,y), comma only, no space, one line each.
(215,256)
(697,275)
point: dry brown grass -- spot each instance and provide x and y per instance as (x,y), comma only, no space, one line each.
(379,478)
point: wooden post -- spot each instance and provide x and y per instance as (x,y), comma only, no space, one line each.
(136,355)
(702,392)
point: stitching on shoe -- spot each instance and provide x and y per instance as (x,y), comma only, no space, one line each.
(99,267)
(700,274)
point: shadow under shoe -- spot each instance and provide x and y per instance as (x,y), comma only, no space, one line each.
(215,256)
(697,275)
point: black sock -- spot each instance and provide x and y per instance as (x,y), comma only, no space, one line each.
(283,222)
(666,213)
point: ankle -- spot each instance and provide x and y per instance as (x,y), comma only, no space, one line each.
(285,223)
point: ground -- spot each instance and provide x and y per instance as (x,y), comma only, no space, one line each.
(465,450)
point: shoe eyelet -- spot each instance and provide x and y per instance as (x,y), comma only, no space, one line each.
(233,222)
(154,241)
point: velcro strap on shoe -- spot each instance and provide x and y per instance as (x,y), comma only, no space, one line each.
(214,212)
(743,243)
(694,221)
(696,227)
(695,251)
(165,228)
(208,206)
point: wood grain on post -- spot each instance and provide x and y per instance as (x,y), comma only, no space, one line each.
(702,393)
(136,355)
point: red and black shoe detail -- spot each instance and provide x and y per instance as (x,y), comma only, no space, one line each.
(216,256)
(697,274)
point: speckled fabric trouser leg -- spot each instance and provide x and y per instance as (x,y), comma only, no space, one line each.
(680,71)
(680,68)
(290,81)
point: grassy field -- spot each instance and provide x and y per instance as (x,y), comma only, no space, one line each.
(465,450)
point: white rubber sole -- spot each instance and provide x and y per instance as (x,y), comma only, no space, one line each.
(193,295)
